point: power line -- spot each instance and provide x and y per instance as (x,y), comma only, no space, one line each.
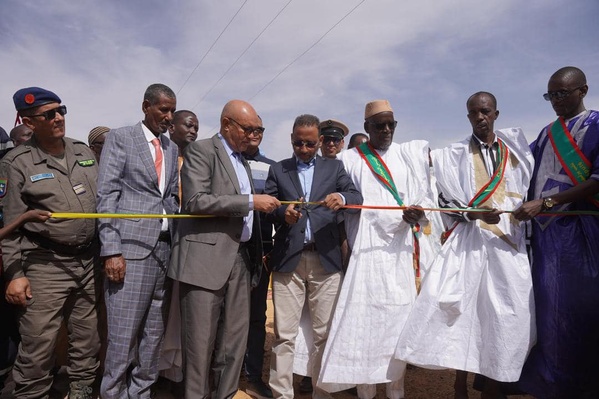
(308,49)
(213,44)
(242,54)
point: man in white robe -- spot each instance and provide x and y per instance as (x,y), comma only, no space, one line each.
(475,312)
(380,283)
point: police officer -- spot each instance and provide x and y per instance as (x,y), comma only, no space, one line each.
(333,134)
(51,268)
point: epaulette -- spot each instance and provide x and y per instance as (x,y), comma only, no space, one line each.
(75,141)
(15,153)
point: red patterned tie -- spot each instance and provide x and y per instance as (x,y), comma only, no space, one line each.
(158,161)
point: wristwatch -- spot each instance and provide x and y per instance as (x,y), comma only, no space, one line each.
(548,203)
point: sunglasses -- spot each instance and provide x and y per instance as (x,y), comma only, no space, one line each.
(381,126)
(51,114)
(301,143)
(248,130)
(333,139)
(559,95)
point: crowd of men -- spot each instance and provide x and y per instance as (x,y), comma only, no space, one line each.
(157,253)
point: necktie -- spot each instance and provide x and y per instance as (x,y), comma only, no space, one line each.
(158,160)
(491,154)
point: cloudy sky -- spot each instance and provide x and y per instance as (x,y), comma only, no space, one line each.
(426,57)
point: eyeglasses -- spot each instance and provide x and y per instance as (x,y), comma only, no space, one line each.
(559,95)
(381,126)
(51,114)
(248,130)
(301,143)
(329,139)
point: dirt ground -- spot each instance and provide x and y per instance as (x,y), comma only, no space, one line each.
(420,383)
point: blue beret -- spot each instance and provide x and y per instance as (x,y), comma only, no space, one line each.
(31,97)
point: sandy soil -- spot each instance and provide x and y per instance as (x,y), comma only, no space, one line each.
(420,383)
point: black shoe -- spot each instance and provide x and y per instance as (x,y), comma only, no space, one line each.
(305,385)
(258,390)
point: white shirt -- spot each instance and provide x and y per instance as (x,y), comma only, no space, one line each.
(162,183)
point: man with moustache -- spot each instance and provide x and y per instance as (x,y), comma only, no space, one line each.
(475,310)
(51,268)
(306,259)
(215,258)
(138,175)
(388,247)
(564,362)
(333,133)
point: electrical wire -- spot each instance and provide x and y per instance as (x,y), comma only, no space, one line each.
(209,49)
(241,55)
(306,51)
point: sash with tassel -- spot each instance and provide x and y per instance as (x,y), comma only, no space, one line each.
(382,173)
(489,188)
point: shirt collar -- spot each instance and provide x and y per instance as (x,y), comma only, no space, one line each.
(228,148)
(303,164)
(148,134)
(480,142)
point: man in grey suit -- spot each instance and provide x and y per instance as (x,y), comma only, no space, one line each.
(213,258)
(138,175)
(306,259)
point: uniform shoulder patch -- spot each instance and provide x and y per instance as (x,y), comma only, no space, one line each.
(3,183)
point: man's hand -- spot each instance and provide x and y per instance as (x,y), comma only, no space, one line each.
(529,210)
(18,291)
(115,267)
(491,217)
(265,203)
(292,215)
(333,201)
(413,214)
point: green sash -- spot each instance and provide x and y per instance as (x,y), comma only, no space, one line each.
(380,170)
(575,163)
(488,189)
(382,173)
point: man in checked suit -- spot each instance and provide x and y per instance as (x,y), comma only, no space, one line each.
(214,258)
(306,259)
(138,175)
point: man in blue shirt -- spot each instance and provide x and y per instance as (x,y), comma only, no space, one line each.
(306,259)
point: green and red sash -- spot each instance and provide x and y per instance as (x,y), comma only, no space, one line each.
(575,163)
(489,188)
(382,173)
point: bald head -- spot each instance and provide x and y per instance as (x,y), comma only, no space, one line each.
(566,90)
(20,134)
(237,117)
(571,74)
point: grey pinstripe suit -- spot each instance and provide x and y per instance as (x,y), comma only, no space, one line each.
(128,183)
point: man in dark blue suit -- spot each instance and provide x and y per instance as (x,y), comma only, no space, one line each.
(306,259)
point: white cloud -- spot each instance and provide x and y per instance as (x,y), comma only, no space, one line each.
(426,57)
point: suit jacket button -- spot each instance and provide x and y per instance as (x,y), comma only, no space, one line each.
(302,231)
(237,235)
